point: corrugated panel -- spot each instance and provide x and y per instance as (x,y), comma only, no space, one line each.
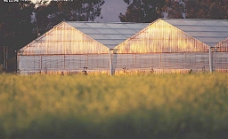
(64,39)
(89,31)
(109,34)
(160,37)
(208,28)
(222,46)
(116,37)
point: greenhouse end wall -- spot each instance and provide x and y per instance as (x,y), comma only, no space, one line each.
(162,47)
(63,49)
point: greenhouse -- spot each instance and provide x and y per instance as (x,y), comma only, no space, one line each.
(75,47)
(179,45)
(165,45)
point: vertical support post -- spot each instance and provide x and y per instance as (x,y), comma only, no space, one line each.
(5,57)
(64,62)
(40,63)
(185,61)
(16,63)
(160,60)
(210,60)
(87,65)
(110,62)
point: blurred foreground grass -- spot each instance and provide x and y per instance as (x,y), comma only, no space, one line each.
(166,106)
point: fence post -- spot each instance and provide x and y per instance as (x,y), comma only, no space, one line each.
(110,61)
(16,63)
(210,60)
(40,63)
(5,57)
(64,61)
(160,60)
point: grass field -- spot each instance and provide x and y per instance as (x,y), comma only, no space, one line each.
(165,106)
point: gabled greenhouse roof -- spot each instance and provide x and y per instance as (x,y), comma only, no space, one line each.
(109,34)
(210,32)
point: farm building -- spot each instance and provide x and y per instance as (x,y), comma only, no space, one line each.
(179,45)
(165,45)
(75,47)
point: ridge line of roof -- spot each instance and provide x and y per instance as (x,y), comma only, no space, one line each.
(193,19)
(104,22)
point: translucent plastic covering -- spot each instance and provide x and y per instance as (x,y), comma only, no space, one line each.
(109,34)
(63,39)
(161,36)
(220,61)
(222,46)
(62,63)
(210,32)
(187,61)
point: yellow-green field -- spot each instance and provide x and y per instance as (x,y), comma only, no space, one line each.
(165,106)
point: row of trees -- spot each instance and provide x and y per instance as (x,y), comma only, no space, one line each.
(17,28)
(149,10)
(212,9)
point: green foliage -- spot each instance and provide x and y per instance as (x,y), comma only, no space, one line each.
(15,29)
(15,24)
(211,9)
(171,106)
(150,10)
(58,11)
(174,9)
(142,10)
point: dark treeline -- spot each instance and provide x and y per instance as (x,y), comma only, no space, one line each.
(149,10)
(17,28)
